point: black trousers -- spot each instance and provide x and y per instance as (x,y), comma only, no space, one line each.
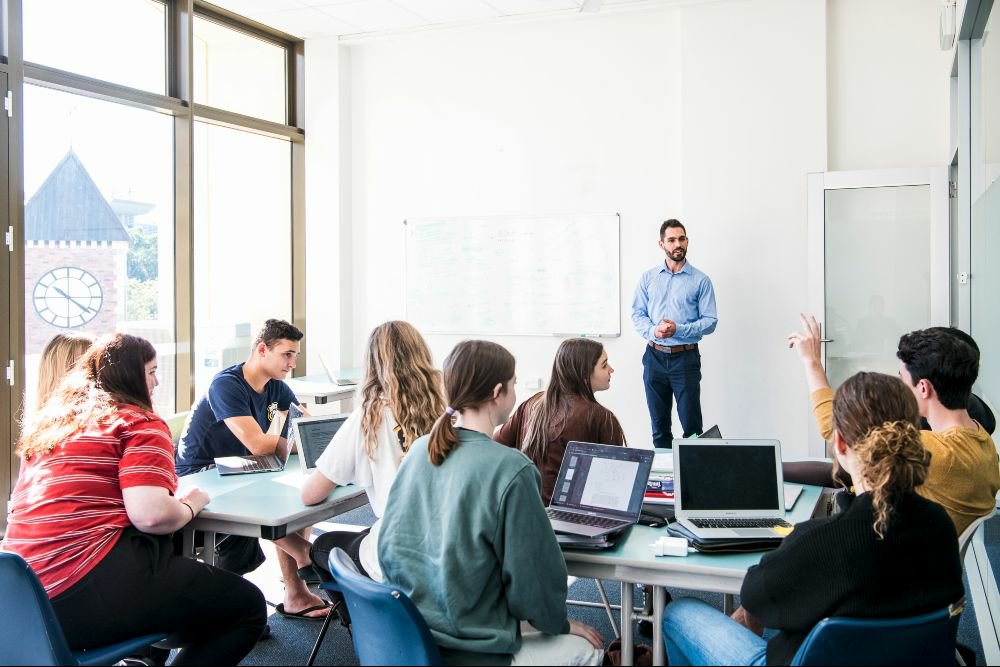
(320,553)
(141,587)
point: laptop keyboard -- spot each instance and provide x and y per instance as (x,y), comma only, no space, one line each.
(740,523)
(258,463)
(582,519)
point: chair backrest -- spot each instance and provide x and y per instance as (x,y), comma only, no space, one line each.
(30,633)
(927,639)
(176,424)
(965,539)
(387,627)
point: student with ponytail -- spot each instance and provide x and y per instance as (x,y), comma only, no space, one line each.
(465,535)
(543,425)
(862,561)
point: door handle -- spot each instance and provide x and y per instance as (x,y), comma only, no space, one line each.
(827,340)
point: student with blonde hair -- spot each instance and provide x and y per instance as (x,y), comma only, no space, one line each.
(465,534)
(56,360)
(861,562)
(400,399)
(567,410)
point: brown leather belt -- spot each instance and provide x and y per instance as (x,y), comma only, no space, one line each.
(673,348)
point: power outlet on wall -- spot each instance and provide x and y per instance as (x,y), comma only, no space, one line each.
(533,383)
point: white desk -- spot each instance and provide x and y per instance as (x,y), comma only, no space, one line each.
(310,390)
(265,505)
(632,562)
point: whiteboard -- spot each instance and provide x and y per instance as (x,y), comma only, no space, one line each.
(529,275)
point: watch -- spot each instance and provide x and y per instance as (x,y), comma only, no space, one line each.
(67,297)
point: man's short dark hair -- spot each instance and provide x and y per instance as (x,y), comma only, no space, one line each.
(943,358)
(275,330)
(672,222)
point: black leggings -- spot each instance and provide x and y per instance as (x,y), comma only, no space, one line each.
(141,587)
(320,553)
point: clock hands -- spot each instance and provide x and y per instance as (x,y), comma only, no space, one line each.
(76,303)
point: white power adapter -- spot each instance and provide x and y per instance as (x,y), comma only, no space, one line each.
(670,546)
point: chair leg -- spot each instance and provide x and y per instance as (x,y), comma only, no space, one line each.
(607,608)
(319,638)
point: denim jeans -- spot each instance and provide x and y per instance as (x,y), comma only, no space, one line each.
(696,633)
(668,375)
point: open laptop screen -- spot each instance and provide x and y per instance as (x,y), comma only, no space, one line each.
(314,434)
(728,476)
(603,478)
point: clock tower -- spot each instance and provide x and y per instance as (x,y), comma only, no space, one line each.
(75,258)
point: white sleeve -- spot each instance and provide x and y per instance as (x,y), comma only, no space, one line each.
(339,463)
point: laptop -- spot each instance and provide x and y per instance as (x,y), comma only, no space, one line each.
(332,378)
(313,434)
(599,489)
(244,465)
(729,489)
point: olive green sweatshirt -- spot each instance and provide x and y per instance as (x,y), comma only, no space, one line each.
(469,542)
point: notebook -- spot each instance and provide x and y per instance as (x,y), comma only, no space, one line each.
(599,489)
(313,435)
(729,488)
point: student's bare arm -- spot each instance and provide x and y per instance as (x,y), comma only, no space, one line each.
(248,431)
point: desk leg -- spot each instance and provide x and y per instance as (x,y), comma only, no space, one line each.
(208,553)
(628,622)
(187,542)
(659,602)
(727,604)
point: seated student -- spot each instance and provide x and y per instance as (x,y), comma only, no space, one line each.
(94,508)
(233,419)
(400,399)
(58,357)
(862,561)
(939,368)
(543,425)
(465,535)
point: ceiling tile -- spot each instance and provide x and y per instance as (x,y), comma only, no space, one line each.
(248,7)
(307,22)
(374,15)
(448,11)
(508,7)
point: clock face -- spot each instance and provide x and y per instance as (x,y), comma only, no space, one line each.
(67,297)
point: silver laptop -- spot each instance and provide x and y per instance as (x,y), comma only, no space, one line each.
(599,489)
(729,489)
(313,435)
(244,465)
(340,382)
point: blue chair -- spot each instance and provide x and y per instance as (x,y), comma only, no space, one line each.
(928,639)
(386,626)
(30,633)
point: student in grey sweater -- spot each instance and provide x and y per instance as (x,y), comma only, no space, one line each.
(466,537)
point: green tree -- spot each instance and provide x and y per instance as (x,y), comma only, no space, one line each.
(142,300)
(142,255)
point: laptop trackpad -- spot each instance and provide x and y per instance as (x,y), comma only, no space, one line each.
(755,532)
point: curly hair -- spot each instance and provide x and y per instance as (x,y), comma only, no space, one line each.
(876,415)
(400,375)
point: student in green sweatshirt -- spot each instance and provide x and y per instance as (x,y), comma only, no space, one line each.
(465,535)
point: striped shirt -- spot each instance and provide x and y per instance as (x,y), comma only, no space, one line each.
(67,511)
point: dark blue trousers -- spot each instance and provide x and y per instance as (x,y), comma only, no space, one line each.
(668,375)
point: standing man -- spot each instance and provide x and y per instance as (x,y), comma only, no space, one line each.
(673,308)
(234,419)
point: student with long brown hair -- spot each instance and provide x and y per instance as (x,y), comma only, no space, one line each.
(861,562)
(94,509)
(567,410)
(466,537)
(400,400)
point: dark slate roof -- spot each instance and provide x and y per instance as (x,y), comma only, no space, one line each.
(69,207)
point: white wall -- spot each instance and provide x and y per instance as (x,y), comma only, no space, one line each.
(712,112)
(888,85)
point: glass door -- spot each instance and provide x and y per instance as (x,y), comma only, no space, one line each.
(880,264)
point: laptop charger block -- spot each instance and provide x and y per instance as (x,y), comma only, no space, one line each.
(670,546)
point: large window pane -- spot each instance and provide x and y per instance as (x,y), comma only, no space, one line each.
(99,226)
(238,72)
(122,41)
(242,242)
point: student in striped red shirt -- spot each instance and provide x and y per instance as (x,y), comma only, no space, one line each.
(94,508)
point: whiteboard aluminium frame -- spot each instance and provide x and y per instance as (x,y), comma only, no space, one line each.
(509,216)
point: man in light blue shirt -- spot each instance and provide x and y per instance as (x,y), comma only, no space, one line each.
(673,308)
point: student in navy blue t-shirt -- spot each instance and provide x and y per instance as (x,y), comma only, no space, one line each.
(233,419)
